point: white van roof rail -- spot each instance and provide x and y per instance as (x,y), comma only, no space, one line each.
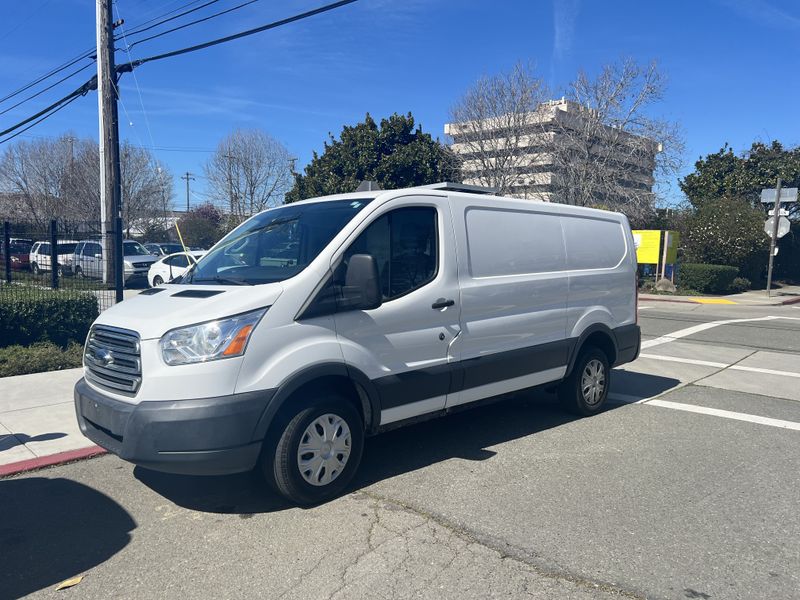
(460,187)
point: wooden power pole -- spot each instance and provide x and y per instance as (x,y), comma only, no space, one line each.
(188,177)
(110,177)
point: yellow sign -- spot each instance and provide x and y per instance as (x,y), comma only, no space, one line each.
(648,246)
(674,239)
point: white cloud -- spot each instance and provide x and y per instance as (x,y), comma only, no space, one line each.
(764,13)
(565,13)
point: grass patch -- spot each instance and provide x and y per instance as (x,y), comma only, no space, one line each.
(37,358)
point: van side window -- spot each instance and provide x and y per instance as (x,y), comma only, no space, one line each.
(513,242)
(593,243)
(404,244)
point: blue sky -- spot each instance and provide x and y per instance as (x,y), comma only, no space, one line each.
(731,66)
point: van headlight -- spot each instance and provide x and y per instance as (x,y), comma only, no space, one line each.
(224,338)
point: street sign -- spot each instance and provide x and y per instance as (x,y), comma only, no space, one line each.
(784,212)
(783,226)
(787,195)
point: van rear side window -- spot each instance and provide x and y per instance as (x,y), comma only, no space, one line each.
(593,243)
(511,242)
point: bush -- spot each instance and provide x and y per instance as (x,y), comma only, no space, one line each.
(707,279)
(739,285)
(21,360)
(46,316)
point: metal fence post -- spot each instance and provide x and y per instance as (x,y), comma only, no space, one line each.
(53,254)
(7,249)
(119,282)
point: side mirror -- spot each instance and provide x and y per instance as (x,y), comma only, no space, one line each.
(361,290)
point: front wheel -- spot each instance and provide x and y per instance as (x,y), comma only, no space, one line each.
(585,391)
(35,269)
(317,452)
(157,280)
(78,273)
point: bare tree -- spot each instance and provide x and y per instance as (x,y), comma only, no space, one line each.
(596,146)
(491,127)
(607,148)
(249,172)
(60,178)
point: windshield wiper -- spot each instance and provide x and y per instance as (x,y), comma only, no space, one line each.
(223,280)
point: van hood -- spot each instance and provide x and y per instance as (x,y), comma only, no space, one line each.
(152,313)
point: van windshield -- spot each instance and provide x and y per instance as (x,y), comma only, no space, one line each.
(276,244)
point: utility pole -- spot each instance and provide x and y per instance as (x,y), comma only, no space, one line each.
(110,177)
(773,242)
(188,177)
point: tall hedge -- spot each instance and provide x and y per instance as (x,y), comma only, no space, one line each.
(707,279)
(47,316)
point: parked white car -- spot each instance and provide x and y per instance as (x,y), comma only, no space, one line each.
(40,257)
(317,323)
(89,261)
(169,267)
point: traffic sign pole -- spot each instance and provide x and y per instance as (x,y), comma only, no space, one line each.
(774,240)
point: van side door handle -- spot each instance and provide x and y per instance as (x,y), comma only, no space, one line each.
(442,303)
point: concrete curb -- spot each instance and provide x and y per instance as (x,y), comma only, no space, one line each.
(33,464)
(648,298)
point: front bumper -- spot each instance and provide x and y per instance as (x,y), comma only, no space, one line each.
(208,436)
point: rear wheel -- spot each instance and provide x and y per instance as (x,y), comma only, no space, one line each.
(585,391)
(316,454)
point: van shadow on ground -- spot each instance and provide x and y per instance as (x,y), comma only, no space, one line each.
(54,529)
(464,435)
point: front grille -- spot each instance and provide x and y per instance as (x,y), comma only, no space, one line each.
(141,265)
(112,359)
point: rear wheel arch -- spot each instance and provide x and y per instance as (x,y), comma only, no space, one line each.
(598,336)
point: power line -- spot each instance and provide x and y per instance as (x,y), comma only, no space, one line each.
(87,54)
(141,29)
(190,23)
(47,116)
(127,67)
(81,91)
(50,87)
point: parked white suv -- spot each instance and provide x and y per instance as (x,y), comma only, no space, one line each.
(41,259)
(317,323)
(88,260)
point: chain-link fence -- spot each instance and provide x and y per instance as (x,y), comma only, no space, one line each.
(72,257)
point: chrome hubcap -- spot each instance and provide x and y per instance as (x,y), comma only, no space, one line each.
(324,449)
(593,382)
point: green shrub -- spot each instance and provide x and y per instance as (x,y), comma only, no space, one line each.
(739,285)
(707,279)
(46,316)
(21,360)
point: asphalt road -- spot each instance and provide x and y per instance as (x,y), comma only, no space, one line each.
(687,487)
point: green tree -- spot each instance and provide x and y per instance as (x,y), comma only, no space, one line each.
(395,155)
(201,226)
(724,174)
(728,231)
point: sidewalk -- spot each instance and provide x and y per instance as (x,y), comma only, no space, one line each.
(788,294)
(37,421)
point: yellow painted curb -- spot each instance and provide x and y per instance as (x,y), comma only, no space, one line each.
(712,301)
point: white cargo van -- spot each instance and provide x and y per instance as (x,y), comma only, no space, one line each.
(313,325)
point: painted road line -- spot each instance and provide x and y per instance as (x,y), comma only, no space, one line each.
(726,414)
(626,398)
(681,333)
(688,361)
(764,371)
(712,301)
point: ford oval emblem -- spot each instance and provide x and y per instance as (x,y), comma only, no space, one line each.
(106,357)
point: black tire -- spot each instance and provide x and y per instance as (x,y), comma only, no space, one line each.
(35,269)
(157,280)
(575,397)
(78,272)
(280,456)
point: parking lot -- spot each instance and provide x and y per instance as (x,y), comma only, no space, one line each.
(686,487)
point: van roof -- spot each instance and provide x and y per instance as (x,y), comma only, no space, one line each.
(480,196)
